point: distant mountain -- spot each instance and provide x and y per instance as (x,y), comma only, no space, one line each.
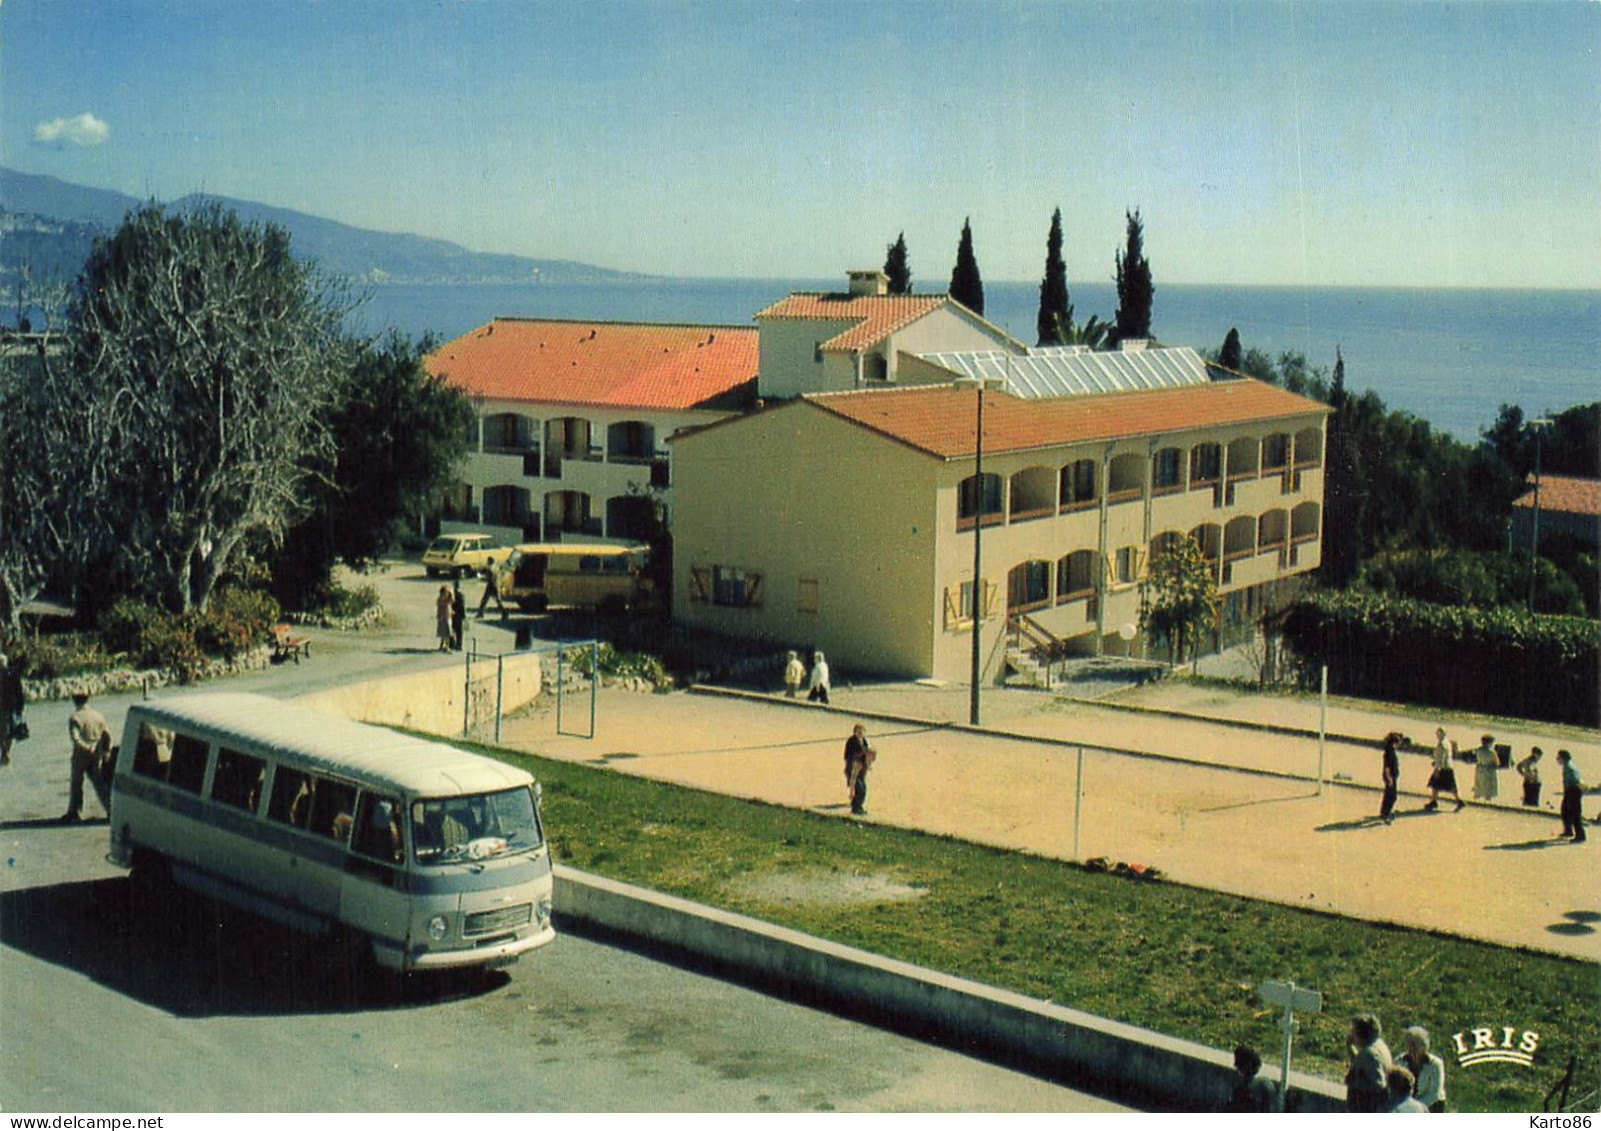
(50,225)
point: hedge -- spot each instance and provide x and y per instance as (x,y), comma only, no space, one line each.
(1499,661)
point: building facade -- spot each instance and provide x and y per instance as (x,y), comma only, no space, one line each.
(573,418)
(847,521)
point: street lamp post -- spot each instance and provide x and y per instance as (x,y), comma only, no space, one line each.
(1539,424)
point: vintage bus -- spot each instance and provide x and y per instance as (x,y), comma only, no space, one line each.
(542,575)
(427,855)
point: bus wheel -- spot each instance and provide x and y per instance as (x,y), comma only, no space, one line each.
(353,971)
(150,877)
(614,606)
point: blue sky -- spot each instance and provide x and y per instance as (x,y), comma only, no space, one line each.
(1275,142)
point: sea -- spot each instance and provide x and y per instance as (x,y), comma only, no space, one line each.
(1450,357)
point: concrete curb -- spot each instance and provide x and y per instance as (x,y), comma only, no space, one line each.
(1055,1042)
(1068,744)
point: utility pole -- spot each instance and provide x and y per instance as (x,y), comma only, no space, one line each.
(1539,424)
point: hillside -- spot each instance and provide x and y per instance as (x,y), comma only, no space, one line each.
(49,225)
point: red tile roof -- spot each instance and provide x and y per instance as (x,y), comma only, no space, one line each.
(939,419)
(1565,494)
(623,364)
(875,317)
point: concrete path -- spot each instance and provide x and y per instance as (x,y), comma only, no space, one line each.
(1495,872)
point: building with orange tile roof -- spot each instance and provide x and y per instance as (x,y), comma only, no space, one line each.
(1570,509)
(846,521)
(572,419)
(855,339)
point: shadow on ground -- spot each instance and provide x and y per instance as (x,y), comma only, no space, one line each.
(194,957)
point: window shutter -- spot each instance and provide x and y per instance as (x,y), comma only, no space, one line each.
(700,583)
(753,589)
(953,611)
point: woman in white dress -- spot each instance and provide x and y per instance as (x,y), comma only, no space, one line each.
(1484,765)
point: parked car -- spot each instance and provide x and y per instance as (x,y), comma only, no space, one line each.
(457,555)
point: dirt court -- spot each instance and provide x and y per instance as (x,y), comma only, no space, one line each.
(1488,872)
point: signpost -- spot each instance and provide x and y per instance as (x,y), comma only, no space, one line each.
(1290,998)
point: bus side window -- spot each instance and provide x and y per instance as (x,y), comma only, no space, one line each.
(378,829)
(290,803)
(152,756)
(332,805)
(188,762)
(589,563)
(237,781)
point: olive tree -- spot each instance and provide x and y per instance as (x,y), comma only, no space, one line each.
(205,360)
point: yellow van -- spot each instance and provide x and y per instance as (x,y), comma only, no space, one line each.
(544,575)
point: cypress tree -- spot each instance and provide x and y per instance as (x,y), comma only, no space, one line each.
(1229,356)
(1343,504)
(1056,315)
(966,286)
(898,268)
(1134,287)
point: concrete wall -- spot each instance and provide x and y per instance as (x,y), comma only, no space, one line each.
(1056,1042)
(433,701)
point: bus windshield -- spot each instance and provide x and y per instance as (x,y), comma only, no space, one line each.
(454,830)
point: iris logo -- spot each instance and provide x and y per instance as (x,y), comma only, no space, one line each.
(1505,1045)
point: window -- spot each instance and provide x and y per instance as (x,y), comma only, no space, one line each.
(290,803)
(238,779)
(1166,470)
(736,588)
(817,353)
(806,595)
(875,368)
(377,833)
(1075,575)
(1276,451)
(152,757)
(188,762)
(959,605)
(1128,565)
(1206,464)
(332,803)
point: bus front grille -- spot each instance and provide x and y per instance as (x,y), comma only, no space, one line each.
(500,919)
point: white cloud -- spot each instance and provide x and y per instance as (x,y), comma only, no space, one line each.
(85,130)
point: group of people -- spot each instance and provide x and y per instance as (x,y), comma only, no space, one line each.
(1377,1081)
(816,683)
(450,616)
(1486,764)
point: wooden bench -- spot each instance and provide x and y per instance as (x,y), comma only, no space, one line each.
(286,646)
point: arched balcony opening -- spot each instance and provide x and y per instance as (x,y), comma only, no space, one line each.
(1033,494)
(510,433)
(632,517)
(1275,453)
(568,512)
(1075,576)
(1167,471)
(567,437)
(1305,523)
(631,441)
(1028,586)
(1239,538)
(1309,448)
(1164,544)
(1206,465)
(1245,456)
(508,505)
(973,498)
(1126,480)
(1077,485)
(1273,532)
(1209,537)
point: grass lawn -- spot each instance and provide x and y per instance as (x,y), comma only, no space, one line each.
(1178,960)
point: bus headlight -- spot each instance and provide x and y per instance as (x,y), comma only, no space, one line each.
(438,927)
(542,912)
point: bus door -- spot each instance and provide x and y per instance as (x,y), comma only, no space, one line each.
(375,897)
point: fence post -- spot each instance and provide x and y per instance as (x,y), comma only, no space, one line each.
(1078,803)
(500,683)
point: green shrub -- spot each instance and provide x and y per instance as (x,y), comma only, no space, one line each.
(235,621)
(336,601)
(60,654)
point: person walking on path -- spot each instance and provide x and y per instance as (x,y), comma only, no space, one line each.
(1390,774)
(11,707)
(494,572)
(443,606)
(1368,1063)
(91,739)
(817,691)
(1572,799)
(458,615)
(1443,776)
(1428,1070)
(858,757)
(1529,771)
(1484,765)
(794,675)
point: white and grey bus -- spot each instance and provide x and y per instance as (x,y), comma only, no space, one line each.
(433,856)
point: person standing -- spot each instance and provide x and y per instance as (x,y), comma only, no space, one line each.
(11,706)
(1398,1097)
(1390,775)
(858,757)
(1368,1063)
(1572,797)
(1484,765)
(1252,1091)
(458,615)
(1529,771)
(90,736)
(1428,1070)
(442,610)
(817,691)
(1443,776)
(794,675)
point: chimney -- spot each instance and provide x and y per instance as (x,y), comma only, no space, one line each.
(868,282)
